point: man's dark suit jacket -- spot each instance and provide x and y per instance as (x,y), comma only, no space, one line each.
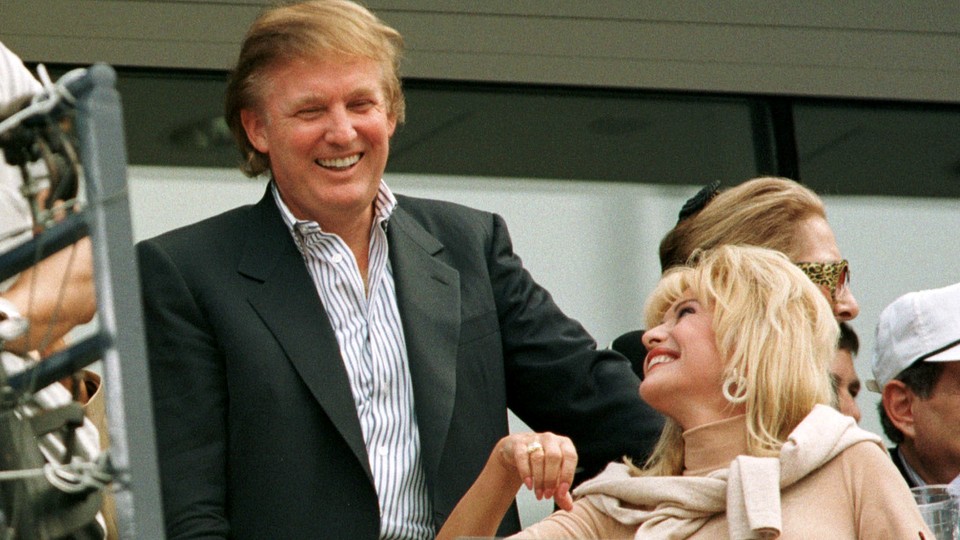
(257,431)
(901,466)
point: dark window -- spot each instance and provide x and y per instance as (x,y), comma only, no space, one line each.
(858,148)
(842,147)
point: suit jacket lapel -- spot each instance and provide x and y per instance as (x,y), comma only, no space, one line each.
(289,305)
(428,296)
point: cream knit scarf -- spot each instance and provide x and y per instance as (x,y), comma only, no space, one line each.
(748,491)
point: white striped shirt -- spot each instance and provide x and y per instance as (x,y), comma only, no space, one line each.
(374,351)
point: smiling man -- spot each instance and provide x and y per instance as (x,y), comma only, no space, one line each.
(337,360)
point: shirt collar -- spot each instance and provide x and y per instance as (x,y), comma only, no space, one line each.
(914,477)
(383,207)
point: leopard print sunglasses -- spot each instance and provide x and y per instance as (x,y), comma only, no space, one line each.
(834,276)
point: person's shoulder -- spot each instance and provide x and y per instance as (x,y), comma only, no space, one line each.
(442,217)
(16,79)
(867,459)
(217,226)
(866,449)
(421,207)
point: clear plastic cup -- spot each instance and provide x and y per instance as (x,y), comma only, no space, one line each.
(940,509)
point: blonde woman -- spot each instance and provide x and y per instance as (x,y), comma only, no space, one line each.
(775,213)
(740,343)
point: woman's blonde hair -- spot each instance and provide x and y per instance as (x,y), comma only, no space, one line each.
(773,327)
(765,212)
(307,30)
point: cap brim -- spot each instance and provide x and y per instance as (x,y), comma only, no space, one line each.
(950,355)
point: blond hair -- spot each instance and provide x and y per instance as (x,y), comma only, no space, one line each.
(765,212)
(773,327)
(305,30)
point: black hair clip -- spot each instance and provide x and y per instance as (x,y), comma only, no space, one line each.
(697,202)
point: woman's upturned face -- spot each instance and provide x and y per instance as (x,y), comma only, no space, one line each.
(683,371)
(819,245)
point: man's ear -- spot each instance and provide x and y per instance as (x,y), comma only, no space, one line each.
(253,123)
(898,401)
(391,125)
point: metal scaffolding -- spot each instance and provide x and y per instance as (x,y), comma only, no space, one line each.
(119,341)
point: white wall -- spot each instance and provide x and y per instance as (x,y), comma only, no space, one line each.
(594,244)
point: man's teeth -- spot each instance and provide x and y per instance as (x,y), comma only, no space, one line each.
(339,163)
(662,359)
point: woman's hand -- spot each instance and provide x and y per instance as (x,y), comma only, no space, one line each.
(544,462)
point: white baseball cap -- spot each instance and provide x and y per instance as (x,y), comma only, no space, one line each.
(921,325)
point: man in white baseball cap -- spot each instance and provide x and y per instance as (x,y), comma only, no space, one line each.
(916,369)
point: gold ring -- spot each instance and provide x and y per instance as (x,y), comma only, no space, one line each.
(534,446)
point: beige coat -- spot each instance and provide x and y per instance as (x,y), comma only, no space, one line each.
(832,480)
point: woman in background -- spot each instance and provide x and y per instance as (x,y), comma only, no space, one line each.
(771,212)
(739,343)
